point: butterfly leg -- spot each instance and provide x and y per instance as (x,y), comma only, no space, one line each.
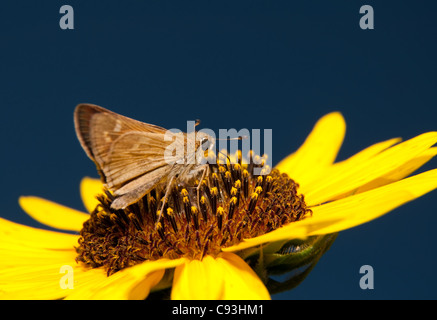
(164,200)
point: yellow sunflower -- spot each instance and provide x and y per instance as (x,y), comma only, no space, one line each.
(243,229)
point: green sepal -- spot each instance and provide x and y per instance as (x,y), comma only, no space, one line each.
(298,263)
(296,254)
(296,257)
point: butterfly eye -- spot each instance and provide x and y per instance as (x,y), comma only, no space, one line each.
(205,143)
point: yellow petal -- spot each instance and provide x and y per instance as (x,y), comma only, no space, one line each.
(119,286)
(395,174)
(241,282)
(402,172)
(89,188)
(20,255)
(225,277)
(34,273)
(361,208)
(335,183)
(31,260)
(131,283)
(15,234)
(34,282)
(349,212)
(53,214)
(366,154)
(197,280)
(295,230)
(41,282)
(318,151)
(342,166)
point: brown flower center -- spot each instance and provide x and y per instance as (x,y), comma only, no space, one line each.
(233,205)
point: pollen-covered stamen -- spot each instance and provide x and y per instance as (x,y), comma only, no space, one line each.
(252,203)
(220,213)
(214,200)
(215,180)
(245,183)
(203,208)
(187,204)
(233,205)
(170,217)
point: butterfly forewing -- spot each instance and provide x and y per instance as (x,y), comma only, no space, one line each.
(129,154)
(133,190)
(134,154)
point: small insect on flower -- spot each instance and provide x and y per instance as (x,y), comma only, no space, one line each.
(134,157)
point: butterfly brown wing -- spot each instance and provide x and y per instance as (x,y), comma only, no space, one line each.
(129,154)
(134,190)
(97,128)
(135,154)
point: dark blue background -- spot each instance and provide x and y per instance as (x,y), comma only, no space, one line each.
(232,64)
